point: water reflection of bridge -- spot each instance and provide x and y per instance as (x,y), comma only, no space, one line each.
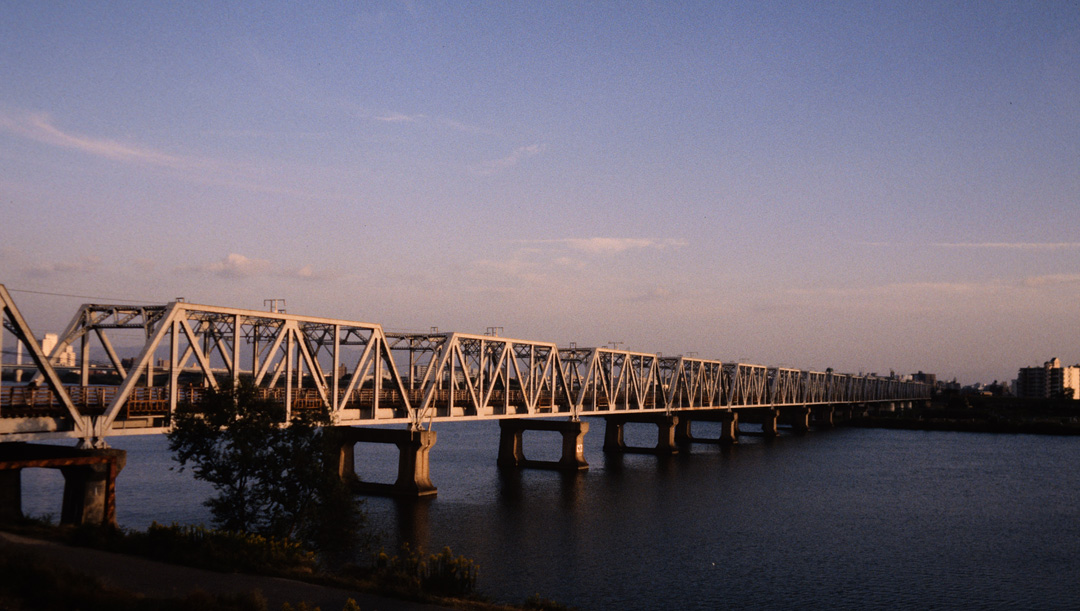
(365,376)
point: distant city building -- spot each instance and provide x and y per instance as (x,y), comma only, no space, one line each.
(1049,381)
(67,355)
(928,378)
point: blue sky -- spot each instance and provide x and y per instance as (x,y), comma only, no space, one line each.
(864,186)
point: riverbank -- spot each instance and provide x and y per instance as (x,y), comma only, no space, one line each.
(977,414)
(41,569)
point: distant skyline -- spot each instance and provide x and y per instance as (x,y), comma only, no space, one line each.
(864,186)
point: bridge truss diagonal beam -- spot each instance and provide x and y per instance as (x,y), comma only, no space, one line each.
(12,319)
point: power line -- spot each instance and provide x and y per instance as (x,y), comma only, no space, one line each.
(84,296)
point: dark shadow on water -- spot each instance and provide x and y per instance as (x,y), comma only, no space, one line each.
(413,522)
(517,486)
(511,487)
(571,485)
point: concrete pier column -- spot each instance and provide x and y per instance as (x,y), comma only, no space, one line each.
(90,489)
(414,447)
(729,427)
(613,435)
(683,432)
(823,416)
(512,453)
(10,494)
(799,418)
(89,480)
(665,434)
(345,460)
(768,422)
(414,473)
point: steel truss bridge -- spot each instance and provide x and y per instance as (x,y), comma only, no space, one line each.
(365,376)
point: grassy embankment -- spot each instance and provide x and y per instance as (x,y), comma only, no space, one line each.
(26,582)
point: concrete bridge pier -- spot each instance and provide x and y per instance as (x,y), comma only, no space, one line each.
(414,475)
(769,417)
(823,416)
(512,452)
(842,413)
(729,426)
(665,433)
(765,416)
(797,417)
(89,480)
(684,435)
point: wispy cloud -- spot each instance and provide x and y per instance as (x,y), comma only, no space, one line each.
(1012,245)
(82,265)
(397,117)
(41,128)
(930,296)
(610,246)
(1052,280)
(514,158)
(654,295)
(984,245)
(237,266)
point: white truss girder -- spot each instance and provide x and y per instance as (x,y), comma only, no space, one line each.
(362,375)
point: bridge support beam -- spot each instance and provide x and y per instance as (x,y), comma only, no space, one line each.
(414,475)
(89,480)
(665,433)
(512,453)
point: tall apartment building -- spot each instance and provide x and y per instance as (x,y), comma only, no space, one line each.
(1050,380)
(67,355)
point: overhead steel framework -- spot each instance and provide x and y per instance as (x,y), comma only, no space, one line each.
(363,375)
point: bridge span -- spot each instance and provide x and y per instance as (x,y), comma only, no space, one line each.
(365,376)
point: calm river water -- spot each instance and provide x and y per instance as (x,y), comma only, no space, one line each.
(836,519)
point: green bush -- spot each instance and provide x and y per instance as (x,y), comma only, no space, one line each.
(221,550)
(440,574)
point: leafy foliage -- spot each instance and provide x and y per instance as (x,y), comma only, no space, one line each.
(271,479)
(440,574)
